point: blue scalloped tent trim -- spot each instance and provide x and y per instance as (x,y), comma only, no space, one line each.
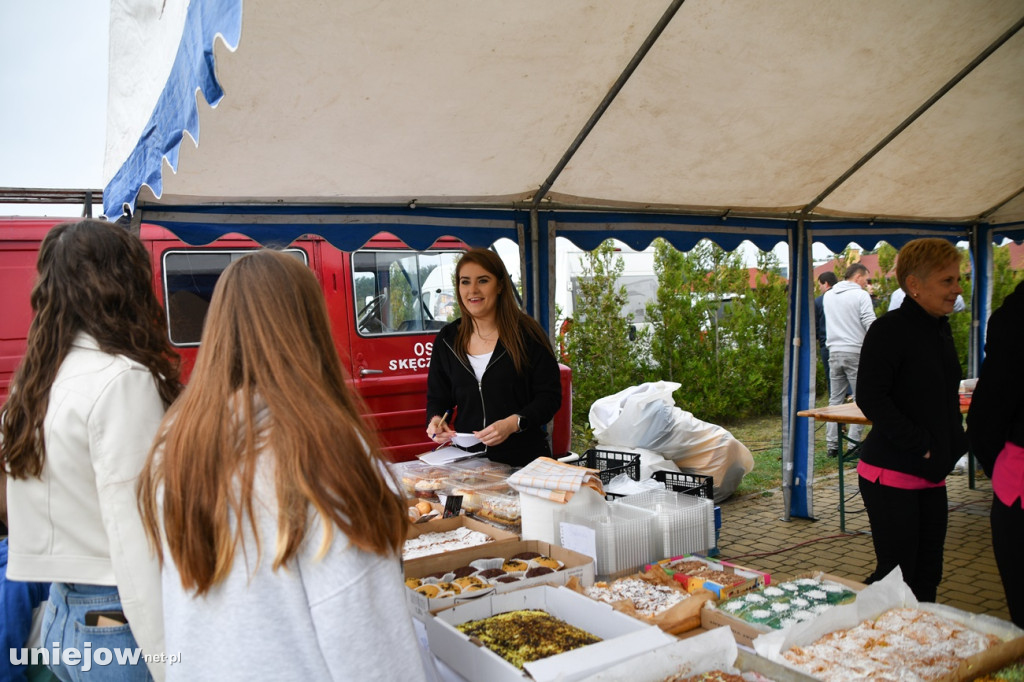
(176,110)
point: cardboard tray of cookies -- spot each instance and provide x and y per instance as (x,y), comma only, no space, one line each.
(490,562)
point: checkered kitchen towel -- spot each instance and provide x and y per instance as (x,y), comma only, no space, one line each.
(555,481)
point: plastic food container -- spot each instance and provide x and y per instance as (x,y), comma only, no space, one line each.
(424,480)
(683,524)
(480,466)
(624,537)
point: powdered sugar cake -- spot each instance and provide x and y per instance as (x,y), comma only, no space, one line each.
(903,643)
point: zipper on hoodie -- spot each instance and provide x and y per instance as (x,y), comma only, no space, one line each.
(480,381)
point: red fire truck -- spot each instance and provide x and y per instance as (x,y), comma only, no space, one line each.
(386,303)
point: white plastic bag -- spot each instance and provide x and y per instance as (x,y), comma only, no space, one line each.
(645,418)
(634,417)
(703,448)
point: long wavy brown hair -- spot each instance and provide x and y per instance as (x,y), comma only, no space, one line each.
(513,323)
(94,277)
(267,383)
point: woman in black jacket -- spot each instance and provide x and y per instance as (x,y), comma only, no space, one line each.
(494,368)
(995,427)
(907,386)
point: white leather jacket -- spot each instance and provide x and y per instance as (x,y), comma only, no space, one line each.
(79,521)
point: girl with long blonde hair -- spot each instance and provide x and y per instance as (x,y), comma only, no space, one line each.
(266,493)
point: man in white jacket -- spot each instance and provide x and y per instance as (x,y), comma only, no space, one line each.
(849,313)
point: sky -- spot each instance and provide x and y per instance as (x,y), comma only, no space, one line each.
(53,97)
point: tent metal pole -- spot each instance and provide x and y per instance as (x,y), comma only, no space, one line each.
(552,282)
(535,265)
(794,371)
(609,97)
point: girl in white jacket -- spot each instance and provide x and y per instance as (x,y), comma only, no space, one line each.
(84,407)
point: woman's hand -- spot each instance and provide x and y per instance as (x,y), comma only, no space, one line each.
(438,430)
(499,431)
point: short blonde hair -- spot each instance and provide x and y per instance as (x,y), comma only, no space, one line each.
(919,257)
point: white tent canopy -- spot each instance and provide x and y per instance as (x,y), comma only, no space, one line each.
(743,106)
(769,120)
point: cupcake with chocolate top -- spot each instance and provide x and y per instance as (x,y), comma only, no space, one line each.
(491,573)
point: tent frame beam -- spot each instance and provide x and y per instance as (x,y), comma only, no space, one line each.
(916,114)
(606,102)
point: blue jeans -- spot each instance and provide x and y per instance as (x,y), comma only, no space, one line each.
(104,652)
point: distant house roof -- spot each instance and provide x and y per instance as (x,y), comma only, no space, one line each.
(1016,256)
(755,278)
(869,260)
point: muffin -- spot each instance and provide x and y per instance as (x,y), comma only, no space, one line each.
(468,581)
(429,591)
(515,566)
(449,587)
(547,562)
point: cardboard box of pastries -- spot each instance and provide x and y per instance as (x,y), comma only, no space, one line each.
(936,641)
(734,580)
(744,632)
(453,526)
(457,565)
(704,651)
(622,637)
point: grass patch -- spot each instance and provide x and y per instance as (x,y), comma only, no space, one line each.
(763,437)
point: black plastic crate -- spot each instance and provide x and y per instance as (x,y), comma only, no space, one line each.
(611,463)
(698,485)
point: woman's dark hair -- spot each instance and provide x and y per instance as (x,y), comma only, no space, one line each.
(94,277)
(512,322)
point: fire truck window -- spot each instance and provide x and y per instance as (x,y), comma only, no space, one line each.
(189,277)
(403,292)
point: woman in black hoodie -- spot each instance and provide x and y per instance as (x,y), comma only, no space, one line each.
(494,368)
(908,384)
(995,427)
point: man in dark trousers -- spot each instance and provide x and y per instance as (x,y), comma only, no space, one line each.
(826,281)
